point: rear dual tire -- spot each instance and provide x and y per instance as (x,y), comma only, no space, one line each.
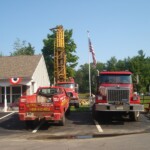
(29,124)
(76,105)
(68,111)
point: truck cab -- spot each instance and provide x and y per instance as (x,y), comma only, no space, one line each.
(115,93)
(72,89)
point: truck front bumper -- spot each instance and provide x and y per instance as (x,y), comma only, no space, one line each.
(74,101)
(125,107)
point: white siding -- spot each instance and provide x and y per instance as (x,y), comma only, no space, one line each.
(40,76)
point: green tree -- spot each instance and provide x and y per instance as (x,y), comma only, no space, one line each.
(70,48)
(22,48)
(122,65)
(82,77)
(140,66)
(1,54)
(111,64)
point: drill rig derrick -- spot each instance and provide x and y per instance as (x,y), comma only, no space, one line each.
(59,55)
(60,78)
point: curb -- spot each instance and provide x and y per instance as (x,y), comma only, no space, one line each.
(53,137)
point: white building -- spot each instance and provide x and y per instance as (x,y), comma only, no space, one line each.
(21,75)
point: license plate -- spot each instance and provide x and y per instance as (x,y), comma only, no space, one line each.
(119,107)
(34,109)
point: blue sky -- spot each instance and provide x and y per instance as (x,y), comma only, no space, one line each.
(117,28)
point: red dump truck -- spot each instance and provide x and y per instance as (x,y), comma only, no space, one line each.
(49,103)
(72,89)
(115,96)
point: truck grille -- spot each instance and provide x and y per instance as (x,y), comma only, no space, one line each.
(118,95)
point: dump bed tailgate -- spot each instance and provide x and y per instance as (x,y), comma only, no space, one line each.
(39,107)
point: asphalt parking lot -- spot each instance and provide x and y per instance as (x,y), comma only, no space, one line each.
(78,124)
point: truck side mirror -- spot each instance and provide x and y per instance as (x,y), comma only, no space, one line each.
(69,94)
(76,88)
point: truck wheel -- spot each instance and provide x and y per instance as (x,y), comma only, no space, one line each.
(29,124)
(94,113)
(134,116)
(68,111)
(62,121)
(76,105)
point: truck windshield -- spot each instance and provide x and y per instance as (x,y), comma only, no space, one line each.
(111,78)
(68,85)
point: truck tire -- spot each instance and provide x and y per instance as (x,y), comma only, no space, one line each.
(76,105)
(134,116)
(68,111)
(62,121)
(29,124)
(94,113)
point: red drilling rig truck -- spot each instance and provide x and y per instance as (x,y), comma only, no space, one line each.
(60,77)
(115,96)
(72,89)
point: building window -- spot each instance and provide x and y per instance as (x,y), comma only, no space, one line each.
(3,94)
(12,94)
(16,93)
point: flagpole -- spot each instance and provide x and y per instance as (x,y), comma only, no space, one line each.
(89,76)
(89,69)
(91,50)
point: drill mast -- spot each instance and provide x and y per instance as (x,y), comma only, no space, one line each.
(59,55)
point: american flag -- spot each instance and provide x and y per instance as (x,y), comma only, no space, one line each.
(93,53)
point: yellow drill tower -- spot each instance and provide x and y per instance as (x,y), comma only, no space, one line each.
(59,55)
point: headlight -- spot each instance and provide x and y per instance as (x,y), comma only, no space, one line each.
(102,90)
(99,97)
(135,98)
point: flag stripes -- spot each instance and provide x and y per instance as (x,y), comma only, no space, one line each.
(92,51)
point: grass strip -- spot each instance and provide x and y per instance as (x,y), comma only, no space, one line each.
(80,109)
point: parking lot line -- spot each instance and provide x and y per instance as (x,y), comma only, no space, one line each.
(98,126)
(7,115)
